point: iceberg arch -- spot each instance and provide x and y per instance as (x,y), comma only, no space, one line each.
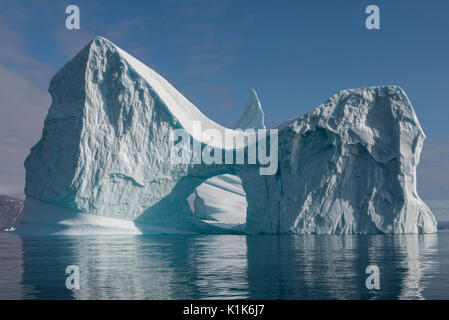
(346,167)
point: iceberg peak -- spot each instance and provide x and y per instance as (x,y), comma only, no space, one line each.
(253,116)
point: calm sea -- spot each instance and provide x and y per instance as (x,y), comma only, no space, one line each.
(225,267)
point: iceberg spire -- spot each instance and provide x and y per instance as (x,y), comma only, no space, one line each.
(253,116)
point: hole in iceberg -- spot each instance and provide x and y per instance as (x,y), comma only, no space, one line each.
(220,201)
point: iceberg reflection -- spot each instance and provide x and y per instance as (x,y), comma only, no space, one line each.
(333,267)
(223,266)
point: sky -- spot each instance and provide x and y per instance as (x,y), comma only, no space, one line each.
(295,54)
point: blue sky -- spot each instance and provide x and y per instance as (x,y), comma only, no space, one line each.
(294,53)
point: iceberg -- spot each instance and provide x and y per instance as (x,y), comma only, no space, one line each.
(102,164)
(105,148)
(347,167)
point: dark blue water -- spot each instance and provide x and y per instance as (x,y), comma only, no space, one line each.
(225,267)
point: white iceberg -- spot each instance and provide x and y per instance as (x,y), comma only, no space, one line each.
(349,166)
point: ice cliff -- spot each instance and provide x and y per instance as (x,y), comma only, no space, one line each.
(348,166)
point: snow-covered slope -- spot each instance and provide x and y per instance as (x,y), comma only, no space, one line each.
(182,109)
